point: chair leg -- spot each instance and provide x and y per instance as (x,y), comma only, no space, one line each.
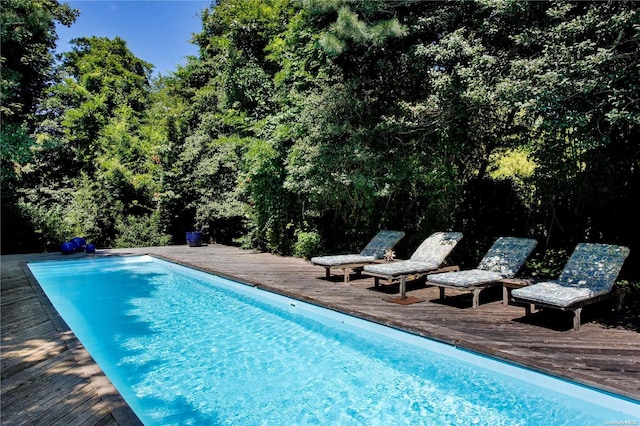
(441,292)
(620,304)
(576,319)
(376,282)
(476,298)
(403,286)
(327,272)
(347,274)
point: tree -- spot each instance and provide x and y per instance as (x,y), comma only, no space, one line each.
(27,31)
(100,171)
(28,38)
(102,80)
(231,95)
(580,91)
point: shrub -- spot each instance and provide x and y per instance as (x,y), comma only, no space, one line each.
(141,231)
(307,244)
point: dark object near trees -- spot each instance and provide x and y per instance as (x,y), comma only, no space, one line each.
(67,248)
(194,239)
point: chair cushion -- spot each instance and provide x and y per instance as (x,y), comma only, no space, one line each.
(507,255)
(383,241)
(405,267)
(469,278)
(436,247)
(595,266)
(341,259)
(590,271)
(553,293)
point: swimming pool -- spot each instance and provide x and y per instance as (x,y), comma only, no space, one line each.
(187,347)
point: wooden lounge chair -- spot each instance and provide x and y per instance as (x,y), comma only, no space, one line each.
(383,241)
(427,259)
(503,260)
(587,277)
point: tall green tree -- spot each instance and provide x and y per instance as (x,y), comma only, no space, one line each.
(358,163)
(231,94)
(580,92)
(100,175)
(102,81)
(27,31)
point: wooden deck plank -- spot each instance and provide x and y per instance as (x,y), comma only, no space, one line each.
(49,364)
(19,406)
(19,355)
(43,376)
(56,371)
(83,408)
(42,361)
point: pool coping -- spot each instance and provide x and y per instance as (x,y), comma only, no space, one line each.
(88,367)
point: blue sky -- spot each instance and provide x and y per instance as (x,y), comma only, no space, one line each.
(157,31)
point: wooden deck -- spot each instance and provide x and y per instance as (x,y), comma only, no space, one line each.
(48,378)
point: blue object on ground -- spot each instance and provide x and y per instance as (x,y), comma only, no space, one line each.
(67,247)
(90,248)
(194,239)
(79,243)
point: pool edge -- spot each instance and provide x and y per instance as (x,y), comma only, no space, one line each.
(574,377)
(122,413)
(457,343)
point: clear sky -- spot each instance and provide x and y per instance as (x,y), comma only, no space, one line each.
(156,31)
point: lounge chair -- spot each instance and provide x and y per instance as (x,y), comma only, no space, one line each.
(503,260)
(587,277)
(375,250)
(427,259)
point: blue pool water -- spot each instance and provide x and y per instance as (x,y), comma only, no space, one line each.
(185,347)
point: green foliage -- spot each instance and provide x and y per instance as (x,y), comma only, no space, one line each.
(356,22)
(27,31)
(514,164)
(15,144)
(307,245)
(95,165)
(91,211)
(632,299)
(547,265)
(262,185)
(141,231)
(106,67)
(306,126)
(49,225)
